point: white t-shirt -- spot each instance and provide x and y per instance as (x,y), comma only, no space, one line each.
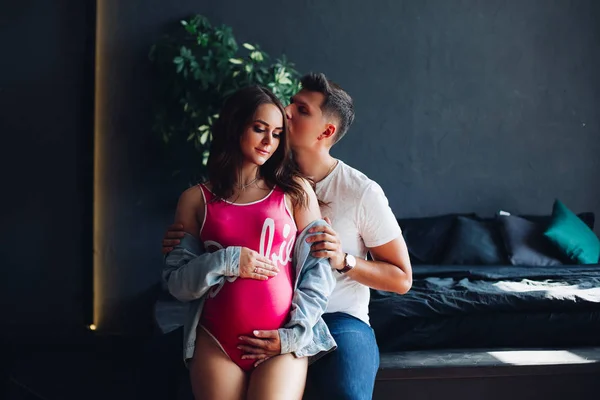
(361,216)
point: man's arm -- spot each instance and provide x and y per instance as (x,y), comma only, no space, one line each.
(377,226)
(172,238)
(390,271)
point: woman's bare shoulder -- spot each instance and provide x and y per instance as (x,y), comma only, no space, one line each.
(190,209)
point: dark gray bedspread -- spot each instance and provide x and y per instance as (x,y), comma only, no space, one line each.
(450,306)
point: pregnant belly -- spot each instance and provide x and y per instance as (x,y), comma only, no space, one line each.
(245,305)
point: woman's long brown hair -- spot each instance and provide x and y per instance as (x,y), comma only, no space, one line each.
(225,159)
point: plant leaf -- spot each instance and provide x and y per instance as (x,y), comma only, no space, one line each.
(256,56)
(204,137)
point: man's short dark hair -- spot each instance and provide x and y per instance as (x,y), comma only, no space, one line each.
(337,102)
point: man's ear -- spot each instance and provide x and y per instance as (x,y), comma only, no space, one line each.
(328,132)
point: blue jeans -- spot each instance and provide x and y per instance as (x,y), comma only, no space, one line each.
(349,371)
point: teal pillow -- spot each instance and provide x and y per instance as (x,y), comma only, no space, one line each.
(572,236)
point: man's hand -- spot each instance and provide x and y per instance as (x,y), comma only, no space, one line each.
(255,266)
(261,347)
(327,244)
(172,236)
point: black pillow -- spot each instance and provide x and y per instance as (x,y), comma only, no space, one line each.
(426,237)
(525,242)
(474,242)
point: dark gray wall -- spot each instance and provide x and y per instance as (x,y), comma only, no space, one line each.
(46,110)
(461,106)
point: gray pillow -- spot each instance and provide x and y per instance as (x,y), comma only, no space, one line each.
(474,242)
(526,244)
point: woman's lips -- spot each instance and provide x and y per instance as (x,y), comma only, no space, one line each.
(263,152)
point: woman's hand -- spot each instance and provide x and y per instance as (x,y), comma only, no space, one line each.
(255,266)
(261,347)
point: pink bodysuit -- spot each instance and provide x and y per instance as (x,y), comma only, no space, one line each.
(243,305)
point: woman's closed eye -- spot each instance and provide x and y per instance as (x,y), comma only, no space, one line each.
(276,135)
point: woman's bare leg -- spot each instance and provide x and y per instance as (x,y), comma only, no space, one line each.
(280,377)
(212,373)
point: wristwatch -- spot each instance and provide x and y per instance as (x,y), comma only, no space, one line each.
(349,261)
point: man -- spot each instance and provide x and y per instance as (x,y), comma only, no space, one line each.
(362,221)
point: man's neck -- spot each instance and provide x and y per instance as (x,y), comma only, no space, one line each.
(316,165)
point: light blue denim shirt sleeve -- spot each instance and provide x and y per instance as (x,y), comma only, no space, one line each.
(189,271)
(314,284)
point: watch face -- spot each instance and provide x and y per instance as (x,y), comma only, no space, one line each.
(350,260)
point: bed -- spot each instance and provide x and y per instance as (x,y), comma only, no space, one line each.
(453,306)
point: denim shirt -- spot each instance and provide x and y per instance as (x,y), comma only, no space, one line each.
(190,272)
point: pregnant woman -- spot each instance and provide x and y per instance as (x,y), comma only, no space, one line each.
(247,216)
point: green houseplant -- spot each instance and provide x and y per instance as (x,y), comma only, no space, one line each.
(198,65)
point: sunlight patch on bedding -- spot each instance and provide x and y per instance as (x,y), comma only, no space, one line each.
(554,290)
